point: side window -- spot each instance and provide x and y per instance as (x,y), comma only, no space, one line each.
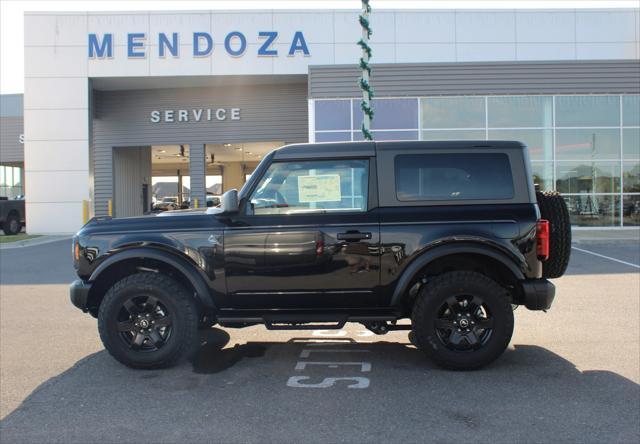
(312,187)
(455,176)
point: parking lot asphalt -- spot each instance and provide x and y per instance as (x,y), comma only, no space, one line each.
(570,375)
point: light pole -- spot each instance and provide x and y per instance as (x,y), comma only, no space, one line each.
(365,86)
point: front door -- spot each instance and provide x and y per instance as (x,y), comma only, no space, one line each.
(305,239)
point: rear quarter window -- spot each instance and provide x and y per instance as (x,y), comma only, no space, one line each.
(453,176)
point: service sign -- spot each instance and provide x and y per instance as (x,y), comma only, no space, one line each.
(193,115)
(202,44)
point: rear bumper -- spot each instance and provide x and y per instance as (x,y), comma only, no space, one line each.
(79,293)
(538,294)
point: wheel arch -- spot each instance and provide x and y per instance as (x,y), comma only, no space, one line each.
(134,260)
(465,251)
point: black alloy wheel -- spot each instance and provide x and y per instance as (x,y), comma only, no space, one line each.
(144,323)
(464,323)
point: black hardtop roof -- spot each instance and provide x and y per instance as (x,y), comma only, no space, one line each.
(368,149)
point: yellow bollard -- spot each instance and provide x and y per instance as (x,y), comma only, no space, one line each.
(195,203)
(85,211)
(110,207)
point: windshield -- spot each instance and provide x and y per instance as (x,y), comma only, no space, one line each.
(256,173)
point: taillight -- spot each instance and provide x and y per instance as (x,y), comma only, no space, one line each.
(542,239)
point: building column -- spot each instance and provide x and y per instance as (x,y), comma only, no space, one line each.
(233,176)
(197,172)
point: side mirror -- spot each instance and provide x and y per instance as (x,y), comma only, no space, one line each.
(230,201)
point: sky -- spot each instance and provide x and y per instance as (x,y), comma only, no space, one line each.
(12,11)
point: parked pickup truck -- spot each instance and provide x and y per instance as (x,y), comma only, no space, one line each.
(11,215)
(450,235)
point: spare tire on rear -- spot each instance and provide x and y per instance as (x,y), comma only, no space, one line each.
(554,209)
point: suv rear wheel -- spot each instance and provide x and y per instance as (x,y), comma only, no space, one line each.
(148,320)
(462,320)
(12,225)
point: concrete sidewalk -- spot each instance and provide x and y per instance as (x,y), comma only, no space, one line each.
(609,235)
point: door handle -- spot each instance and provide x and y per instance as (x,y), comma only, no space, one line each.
(353,236)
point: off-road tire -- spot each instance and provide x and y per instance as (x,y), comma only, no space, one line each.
(434,294)
(554,209)
(12,225)
(184,317)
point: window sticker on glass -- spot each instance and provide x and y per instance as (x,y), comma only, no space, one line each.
(321,188)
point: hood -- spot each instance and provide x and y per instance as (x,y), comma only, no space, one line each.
(165,222)
(187,212)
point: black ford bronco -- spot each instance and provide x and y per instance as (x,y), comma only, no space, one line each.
(451,235)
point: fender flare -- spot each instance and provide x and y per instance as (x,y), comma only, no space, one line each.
(446,250)
(182,265)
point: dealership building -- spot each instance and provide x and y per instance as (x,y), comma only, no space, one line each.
(118,105)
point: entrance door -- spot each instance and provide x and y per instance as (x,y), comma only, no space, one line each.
(131,179)
(305,239)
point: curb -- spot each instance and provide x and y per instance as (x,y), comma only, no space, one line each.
(33,242)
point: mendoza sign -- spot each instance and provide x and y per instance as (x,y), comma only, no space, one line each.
(202,45)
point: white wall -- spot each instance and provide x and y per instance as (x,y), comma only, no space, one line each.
(57,67)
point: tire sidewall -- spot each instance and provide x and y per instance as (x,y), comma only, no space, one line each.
(430,343)
(183,323)
(12,219)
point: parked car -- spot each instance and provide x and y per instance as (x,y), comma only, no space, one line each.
(167,204)
(212,200)
(12,215)
(446,234)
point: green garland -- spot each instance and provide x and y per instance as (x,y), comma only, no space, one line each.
(363,82)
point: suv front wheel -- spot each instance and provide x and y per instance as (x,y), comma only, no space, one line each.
(462,320)
(148,320)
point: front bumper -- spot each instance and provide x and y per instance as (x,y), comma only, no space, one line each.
(538,294)
(79,293)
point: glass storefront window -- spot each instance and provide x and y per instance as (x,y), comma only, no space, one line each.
(631,110)
(586,146)
(16,177)
(388,135)
(339,136)
(631,210)
(580,111)
(452,112)
(588,177)
(10,181)
(588,143)
(631,177)
(520,111)
(389,114)
(631,143)
(543,174)
(539,142)
(454,135)
(333,115)
(590,210)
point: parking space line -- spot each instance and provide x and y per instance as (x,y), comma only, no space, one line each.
(607,257)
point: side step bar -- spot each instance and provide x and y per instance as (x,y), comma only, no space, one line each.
(303,321)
